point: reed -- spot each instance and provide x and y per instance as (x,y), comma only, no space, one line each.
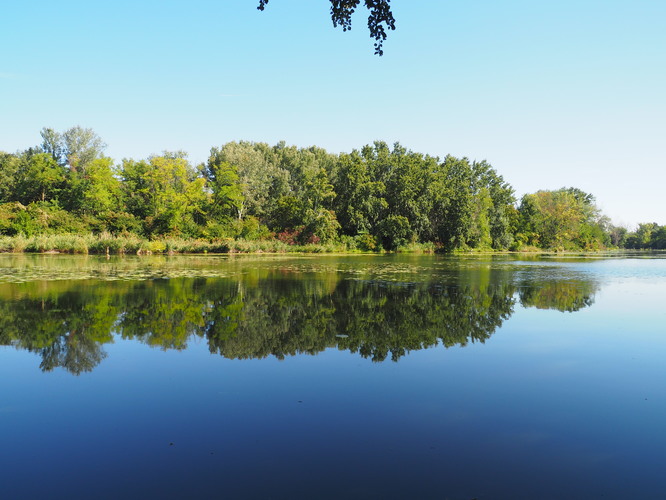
(106,243)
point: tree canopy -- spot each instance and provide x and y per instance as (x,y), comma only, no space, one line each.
(379,20)
(377,197)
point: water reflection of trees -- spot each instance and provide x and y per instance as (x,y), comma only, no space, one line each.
(65,329)
(376,319)
(68,323)
(565,296)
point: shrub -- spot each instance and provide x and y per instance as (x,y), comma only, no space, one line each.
(366,242)
(322,226)
(394,231)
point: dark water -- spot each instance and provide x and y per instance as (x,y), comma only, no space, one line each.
(332,377)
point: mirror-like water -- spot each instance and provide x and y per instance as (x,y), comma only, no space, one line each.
(332,377)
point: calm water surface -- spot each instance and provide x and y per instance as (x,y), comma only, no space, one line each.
(332,377)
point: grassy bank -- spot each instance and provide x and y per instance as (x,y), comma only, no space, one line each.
(132,244)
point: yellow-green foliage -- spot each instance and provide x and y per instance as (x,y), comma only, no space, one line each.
(428,247)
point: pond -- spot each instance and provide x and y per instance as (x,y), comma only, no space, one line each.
(392,376)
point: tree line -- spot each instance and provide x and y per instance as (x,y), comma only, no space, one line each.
(377,197)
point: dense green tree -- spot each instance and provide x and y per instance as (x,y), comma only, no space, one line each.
(454,203)
(648,235)
(566,218)
(618,236)
(224,183)
(407,186)
(321,225)
(380,186)
(10,165)
(73,150)
(307,199)
(360,202)
(164,192)
(101,190)
(499,208)
(658,240)
(52,143)
(644,234)
(394,231)
(39,178)
(376,196)
(479,235)
(261,180)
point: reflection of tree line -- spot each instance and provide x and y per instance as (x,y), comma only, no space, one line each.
(67,323)
(377,320)
(565,296)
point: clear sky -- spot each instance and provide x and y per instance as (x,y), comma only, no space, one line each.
(551,93)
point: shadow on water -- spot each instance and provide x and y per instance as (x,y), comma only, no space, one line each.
(274,312)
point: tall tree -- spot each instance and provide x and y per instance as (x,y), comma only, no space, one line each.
(261,179)
(10,165)
(566,218)
(40,178)
(407,183)
(102,191)
(75,148)
(224,182)
(165,192)
(360,201)
(455,221)
(500,210)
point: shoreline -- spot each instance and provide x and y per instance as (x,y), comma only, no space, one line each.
(136,245)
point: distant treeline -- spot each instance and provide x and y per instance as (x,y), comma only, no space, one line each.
(378,197)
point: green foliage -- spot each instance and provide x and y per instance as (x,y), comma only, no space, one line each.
(164,193)
(122,223)
(287,214)
(322,226)
(76,148)
(379,196)
(38,218)
(102,191)
(366,242)
(495,203)
(250,228)
(360,201)
(416,248)
(39,178)
(10,166)
(223,181)
(479,234)
(564,219)
(261,180)
(649,235)
(453,203)
(617,235)
(394,231)
(658,240)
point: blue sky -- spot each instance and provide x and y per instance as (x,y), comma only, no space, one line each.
(552,94)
